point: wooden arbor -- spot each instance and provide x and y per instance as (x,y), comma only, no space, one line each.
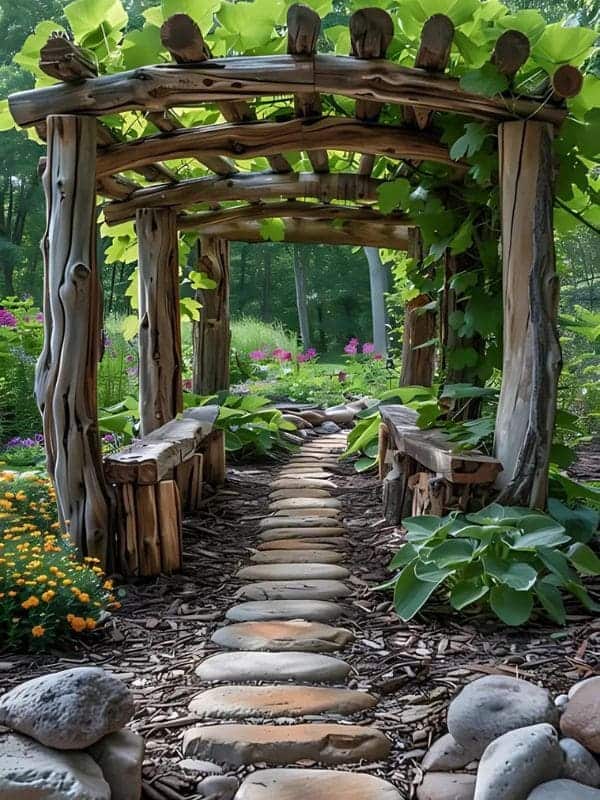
(86,158)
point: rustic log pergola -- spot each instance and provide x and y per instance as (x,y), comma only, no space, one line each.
(86,159)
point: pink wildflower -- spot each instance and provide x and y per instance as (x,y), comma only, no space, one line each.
(368,347)
(377,356)
(282,355)
(258,355)
(7,320)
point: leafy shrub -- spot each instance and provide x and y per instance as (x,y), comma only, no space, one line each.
(46,595)
(249,334)
(118,369)
(23,452)
(508,558)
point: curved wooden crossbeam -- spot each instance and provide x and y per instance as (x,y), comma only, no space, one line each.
(249,140)
(159,87)
(249,186)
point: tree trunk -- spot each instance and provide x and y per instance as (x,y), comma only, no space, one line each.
(378,280)
(212,333)
(418,362)
(160,323)
(301,304)
(267,312)
(532,355)
(67,368)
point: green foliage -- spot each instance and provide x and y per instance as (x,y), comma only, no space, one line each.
(510,559)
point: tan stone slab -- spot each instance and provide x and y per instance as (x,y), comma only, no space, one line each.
(284,744)
(293,572)
(295,635)
(310,513)
(305,483)
(288,494)
(293,590)
(304,502)
(314,784)
(312,474)
(298,557)
(302,533)
(242,702)
(257,666)
(317,610)
(327,543)
(300,521)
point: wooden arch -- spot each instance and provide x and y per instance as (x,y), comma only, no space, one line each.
(86,158)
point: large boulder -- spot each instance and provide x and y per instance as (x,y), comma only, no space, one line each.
(564,790)
(69,710)
(31,771)
(581,718)
(120,756)
(517,762)
(491,706)
(580,765)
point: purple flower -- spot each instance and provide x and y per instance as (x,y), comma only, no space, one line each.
(282,355)
(351,349)
(368,347)
(311,353)
(257,355)
(39,317)
(7,320)
(109,438)
(129,358)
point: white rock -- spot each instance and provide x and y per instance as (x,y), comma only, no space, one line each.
(564,790)
(517,762)
(580,765)
(69,710)
(120,756)
(561,700)
(447,754)
(31,771)
(491,706)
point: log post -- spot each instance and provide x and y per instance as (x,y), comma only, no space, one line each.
(212,334)
(66,373)
(532,354)
(419,327)
(160,324)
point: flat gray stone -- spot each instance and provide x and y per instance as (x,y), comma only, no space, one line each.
(120,756)
(447,786)
(305,502)
(280,635)
(293,572)
(314,784)
(447,754)
(321,532)
(293,590)
(269,523)
(243,702)
(327,543)
(253,666)
(31,771)
(68,710)
(204,767)
(298,557)
(563,790)
(285,744)
(318,610)
(580,765)
(302,483)
(288,494)
(296,474)
(496,704)
(218,787)
(329,426)
(517,762)
(310,513)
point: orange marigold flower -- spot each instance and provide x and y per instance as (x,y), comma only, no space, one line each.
(37,631)
(48,596)
(108,584)
(90,623)
(77,623)
(31,602)
(84,597)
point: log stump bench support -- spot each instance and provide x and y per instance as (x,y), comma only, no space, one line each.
(155,480)
(423,474)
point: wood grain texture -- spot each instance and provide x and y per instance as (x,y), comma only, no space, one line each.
(371,33)
(433,56)
(62,59)
(213,449)
(66,374)
(531,355)
(160,362)
(418,363)
(511,51)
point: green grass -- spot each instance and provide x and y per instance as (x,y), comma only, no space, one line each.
(249,334)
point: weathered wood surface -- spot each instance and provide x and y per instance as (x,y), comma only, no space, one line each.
(418,361)
(66,375)
(433,450)
(160,325)
(62,59)
(156,88)
(531,355)
(355,232)
(433,55)
(212,332)
(213,448)
(511,51)
(151,172)
(249,140)
(249,186)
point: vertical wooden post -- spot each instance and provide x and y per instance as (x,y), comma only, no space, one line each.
(212,334)
(532,354)
(419,327)
(160,323)
(67,368)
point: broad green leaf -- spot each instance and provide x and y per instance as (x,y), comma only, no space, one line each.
(130,327)
(516,574)
(430,572)
(411,594)
(560,44)
(141,47)
(470,142)
(512,607)
(6,120)
(393,195)
(463,238)
(364,464)
(496,514)
(551,600)
(190,307)
(404,556)
(201,12)
(580,523)
(422,527)
(581,593)
(93,20)
(584,559)
(464,593)
(487,80)
(557,563)
(201,280)
(272,230)
(452,552)
(540,531)
(232,441)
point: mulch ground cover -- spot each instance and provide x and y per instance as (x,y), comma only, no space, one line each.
(163,631)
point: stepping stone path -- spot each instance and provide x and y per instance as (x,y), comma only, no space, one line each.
(281,635)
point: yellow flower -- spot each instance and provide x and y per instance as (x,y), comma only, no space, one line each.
(77,623)
(12,593)
(84,597)
(48,596)
(31,602)
(67,582)
(42,578)
(108,585)
(37,631)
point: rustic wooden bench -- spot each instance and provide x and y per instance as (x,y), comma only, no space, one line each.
(155,479)
(424,473)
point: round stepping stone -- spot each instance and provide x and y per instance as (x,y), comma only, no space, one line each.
(293,522)
(284,744)
(302,533)
(304,544)
(314,784)
(288,494)
(318,610)
(293,572)
(298,557)
(296,635)
(241,702)
(293,590)
(305,502)
(255,666)
(304,483)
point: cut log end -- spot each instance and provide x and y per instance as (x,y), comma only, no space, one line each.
(183,39)
(436,42)
(567,82)
(371,33)
(304,26)
(62,59)
(511,52)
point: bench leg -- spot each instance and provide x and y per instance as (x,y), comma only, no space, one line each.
(214,458)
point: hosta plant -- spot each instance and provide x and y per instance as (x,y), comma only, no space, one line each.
(514,560)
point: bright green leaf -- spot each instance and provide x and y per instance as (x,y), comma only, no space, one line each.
(512,607)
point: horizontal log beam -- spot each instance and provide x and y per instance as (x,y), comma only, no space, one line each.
(355,234)
(160,87)
(249,186)
(249,140)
